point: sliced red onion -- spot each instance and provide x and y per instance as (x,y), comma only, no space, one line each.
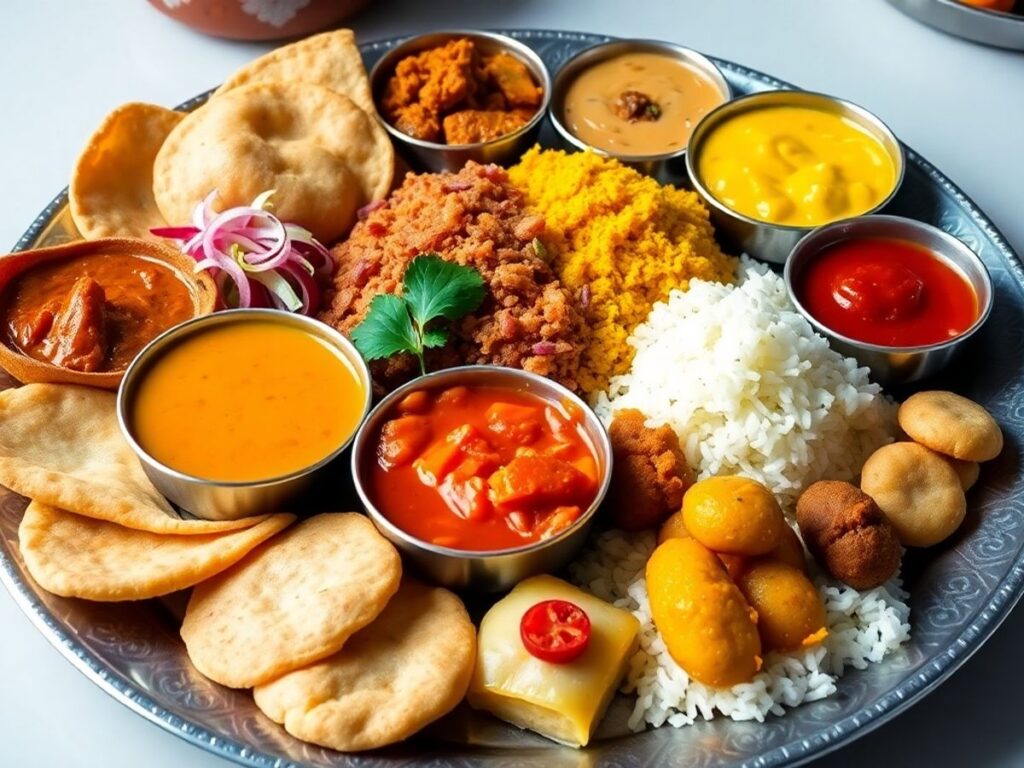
(254,257)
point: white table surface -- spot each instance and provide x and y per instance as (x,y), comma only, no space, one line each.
(65,64)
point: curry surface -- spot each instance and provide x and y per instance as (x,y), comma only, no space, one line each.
(246,401)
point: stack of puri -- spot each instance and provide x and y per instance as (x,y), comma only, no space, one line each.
(912,492)
(96,527)
(299,120)
(315,616)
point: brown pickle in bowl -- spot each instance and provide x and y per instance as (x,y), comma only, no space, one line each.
(79,313)
(452,96)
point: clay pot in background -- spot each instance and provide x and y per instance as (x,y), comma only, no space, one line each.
(258,19)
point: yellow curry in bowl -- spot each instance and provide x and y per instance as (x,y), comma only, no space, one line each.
(246,401)
(796,166)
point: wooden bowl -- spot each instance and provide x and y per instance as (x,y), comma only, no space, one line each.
(27,369)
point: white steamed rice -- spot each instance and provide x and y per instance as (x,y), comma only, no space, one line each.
(750,388)
(863,627)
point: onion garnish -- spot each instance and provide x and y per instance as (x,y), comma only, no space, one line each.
(256,259)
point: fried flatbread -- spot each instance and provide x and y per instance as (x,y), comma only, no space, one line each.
(291,602)
(323,156)
(331,60)
(77,556)
(409,667)
(111,193)
(61,445)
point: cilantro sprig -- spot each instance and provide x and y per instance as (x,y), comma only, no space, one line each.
(432,290)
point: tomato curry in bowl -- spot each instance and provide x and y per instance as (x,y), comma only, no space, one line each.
(482,475)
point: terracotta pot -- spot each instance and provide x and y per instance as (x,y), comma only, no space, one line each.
(27,369)
(258,19)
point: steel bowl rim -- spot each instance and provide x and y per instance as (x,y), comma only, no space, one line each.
(537,67)
(183,330)
(867,220)
(863,114)
(362,436)
(680,52)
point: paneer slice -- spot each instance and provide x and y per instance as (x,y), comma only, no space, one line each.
(563,702)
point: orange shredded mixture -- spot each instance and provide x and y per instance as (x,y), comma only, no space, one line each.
(621,241)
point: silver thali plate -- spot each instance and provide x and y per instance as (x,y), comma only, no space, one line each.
(1002,30)
(960,592)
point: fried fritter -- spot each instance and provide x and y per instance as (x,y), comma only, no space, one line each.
(848,534)
(650,473)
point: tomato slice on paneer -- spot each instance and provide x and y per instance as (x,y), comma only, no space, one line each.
(539,480)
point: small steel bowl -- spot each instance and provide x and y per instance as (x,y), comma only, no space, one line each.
(892,366)
(216,500)
(762,239)
(667,168)
(435,156)
(488,571)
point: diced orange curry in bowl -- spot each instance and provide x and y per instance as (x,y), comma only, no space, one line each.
(507,467)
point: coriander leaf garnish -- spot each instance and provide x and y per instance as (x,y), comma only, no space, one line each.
(434,337)
(386,330)
(438,288)
(432,289)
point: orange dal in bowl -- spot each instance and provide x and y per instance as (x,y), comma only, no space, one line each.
(247,401)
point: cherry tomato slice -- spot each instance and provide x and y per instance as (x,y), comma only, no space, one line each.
(555,630)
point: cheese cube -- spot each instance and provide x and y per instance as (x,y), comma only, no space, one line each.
(563,702)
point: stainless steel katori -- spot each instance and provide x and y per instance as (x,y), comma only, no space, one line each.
(668,168)
(483,571)
(761,239)
(218,500)
(893,365)
(435,156)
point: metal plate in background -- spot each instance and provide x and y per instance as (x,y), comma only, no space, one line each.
(1002,30)
(960,591)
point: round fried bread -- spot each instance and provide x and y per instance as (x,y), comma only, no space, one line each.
(967,471)
(330,59)
(292,602)
(952,425)
(408,668)
(918,490)
(111,192)
(323,155)
(76,556)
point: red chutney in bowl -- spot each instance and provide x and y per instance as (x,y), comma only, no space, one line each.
(888,292)
(482,468)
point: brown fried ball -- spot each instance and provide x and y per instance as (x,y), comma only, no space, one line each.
(848,534)
(650,473)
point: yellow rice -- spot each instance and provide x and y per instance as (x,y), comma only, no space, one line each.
(626,237)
